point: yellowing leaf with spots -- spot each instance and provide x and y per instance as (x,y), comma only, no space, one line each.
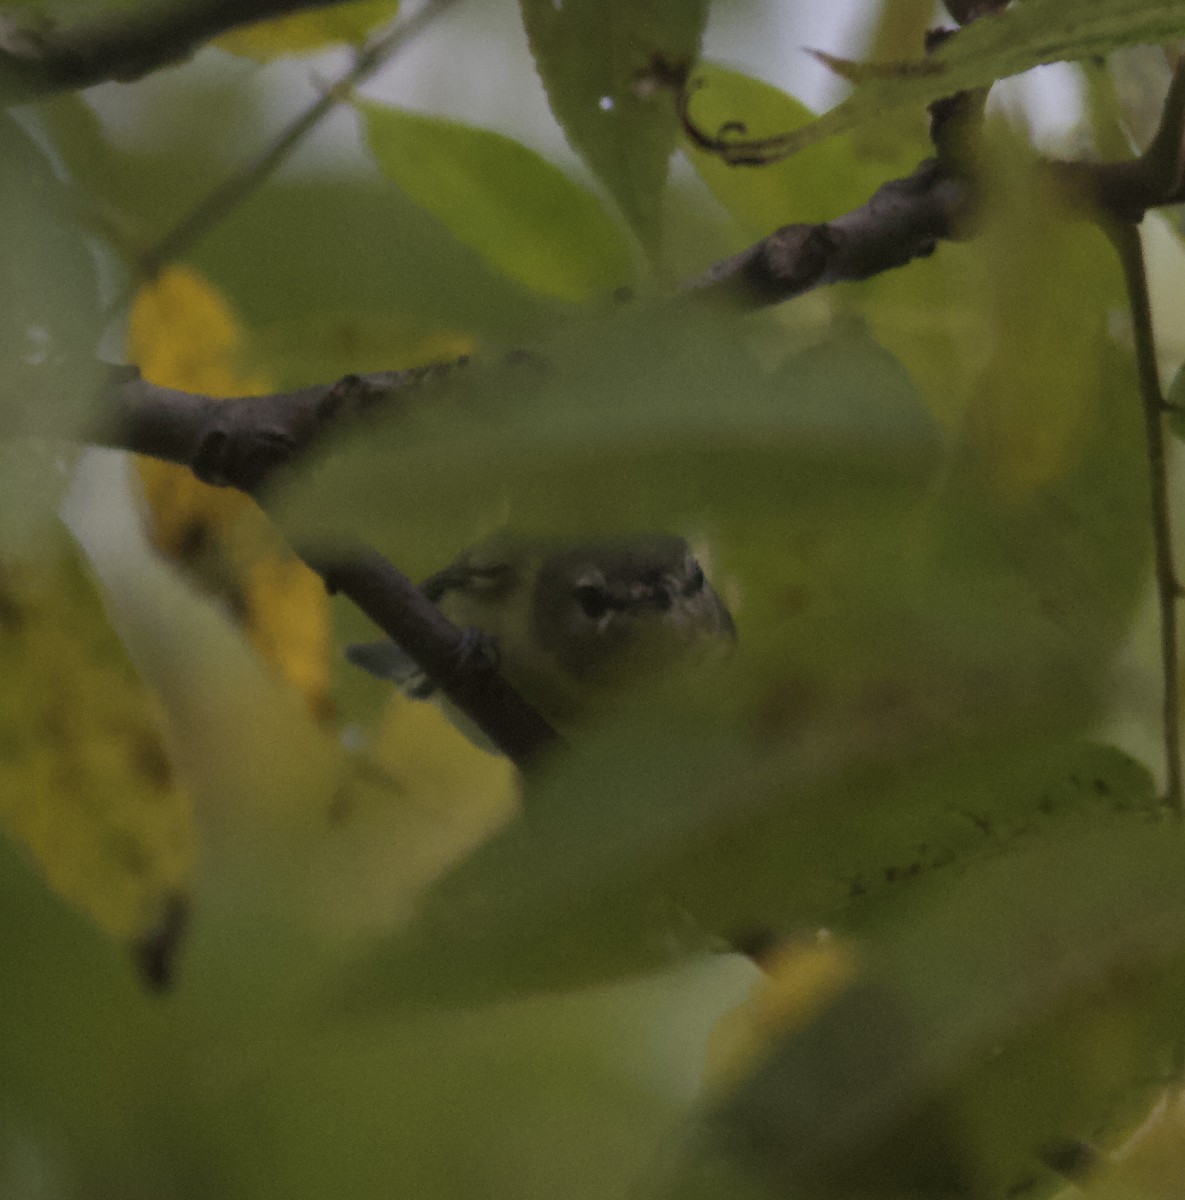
(308,32)
(182,334)
(85,780)
(422,799)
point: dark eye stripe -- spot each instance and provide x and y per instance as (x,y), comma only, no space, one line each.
(594,602)
(695,583)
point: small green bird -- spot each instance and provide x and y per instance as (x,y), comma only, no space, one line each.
(571,624)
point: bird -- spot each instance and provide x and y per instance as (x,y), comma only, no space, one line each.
(571,624)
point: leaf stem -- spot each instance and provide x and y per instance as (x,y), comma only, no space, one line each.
(1126,239)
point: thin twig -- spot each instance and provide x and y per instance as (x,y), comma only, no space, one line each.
(1126,238)
(215,205)
(446,653)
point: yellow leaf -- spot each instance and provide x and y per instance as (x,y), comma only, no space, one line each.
(799,982)
(183,334)
(85,780)
(307,32)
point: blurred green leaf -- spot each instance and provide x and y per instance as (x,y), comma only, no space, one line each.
(1081,540)
(994,47)
(905,724)
(50,319)
(86,1033)
(641,419)
(910,665)
(1045,295)
(108,1091)
(594,57)
(330,343)
(239,1076)
(349,231)
(32,484)
(1050,473)
(928,618)
(1023,310)
(898,30)
(510,204)
(363,247)
(932,316)
(1038,1002)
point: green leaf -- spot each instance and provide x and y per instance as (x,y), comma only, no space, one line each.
(125,1094)
(86,1030)
(882,722)
(593,57)
(350,230)
(914,660)
(1038,1002)
(920,660)
(50,317)
(642,419)
(332,342)
(521,213)
(994,47)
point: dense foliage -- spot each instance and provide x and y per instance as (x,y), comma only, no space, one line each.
(267,931)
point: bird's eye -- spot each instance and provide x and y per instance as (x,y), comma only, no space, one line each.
(593,601)
(695,582)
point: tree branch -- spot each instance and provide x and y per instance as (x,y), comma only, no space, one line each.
(246,443)
(39,55)
(1126,190)
(469,679)
(242,442)
(905,219)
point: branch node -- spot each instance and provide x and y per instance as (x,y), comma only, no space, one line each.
(342,396)
(209,459)
(793,257)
